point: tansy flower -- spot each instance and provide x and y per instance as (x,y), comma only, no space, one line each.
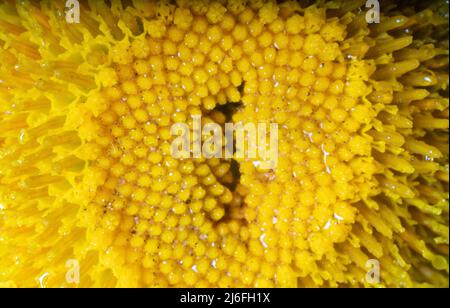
(88,182)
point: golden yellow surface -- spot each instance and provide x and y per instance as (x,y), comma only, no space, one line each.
(86,171)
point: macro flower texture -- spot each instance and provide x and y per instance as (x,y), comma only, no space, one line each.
(90,195)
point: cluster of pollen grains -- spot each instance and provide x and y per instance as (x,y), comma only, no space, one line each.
(157,214)
(297,76)
(87,171)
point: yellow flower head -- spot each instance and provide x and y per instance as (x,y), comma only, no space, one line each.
(91,195)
